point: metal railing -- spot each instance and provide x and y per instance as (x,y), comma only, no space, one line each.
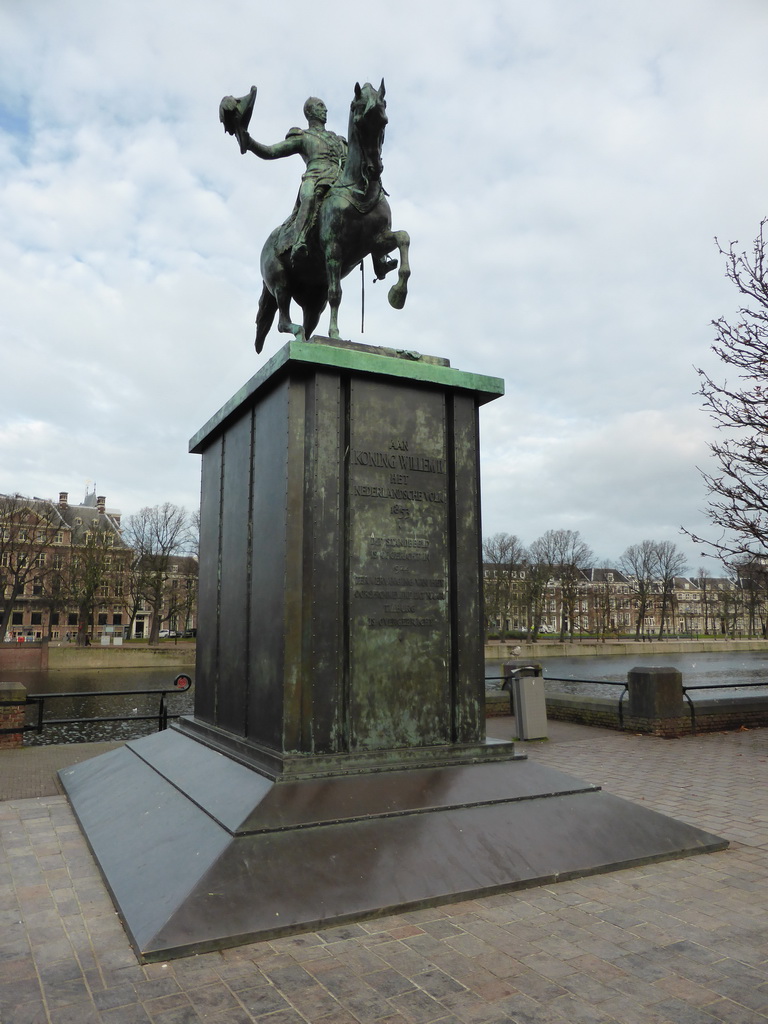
(625,689)
(560,679)
(714,686)
(599,682)
(181,684)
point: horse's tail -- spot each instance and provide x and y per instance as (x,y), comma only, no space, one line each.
(265,316)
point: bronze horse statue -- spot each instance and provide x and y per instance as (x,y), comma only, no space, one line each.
(353,221)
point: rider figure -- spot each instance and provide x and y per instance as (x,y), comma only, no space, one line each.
(322,151)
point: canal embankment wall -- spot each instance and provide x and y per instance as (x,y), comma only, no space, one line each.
(69,657)
(501,651)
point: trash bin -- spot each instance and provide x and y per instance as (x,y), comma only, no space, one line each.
(526,685)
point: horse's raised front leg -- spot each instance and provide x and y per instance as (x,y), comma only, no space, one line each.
(401,241)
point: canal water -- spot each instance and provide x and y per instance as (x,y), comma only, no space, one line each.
(89,702)
(703,668)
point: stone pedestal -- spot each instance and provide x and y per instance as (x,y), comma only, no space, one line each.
(340,567)
(336,765)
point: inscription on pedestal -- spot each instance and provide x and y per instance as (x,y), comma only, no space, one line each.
(398,564)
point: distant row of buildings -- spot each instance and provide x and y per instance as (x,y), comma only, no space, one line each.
(66,573)
(605,602)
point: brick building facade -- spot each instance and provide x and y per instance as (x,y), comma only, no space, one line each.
(68,574)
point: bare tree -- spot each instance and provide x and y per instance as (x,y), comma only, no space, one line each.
(738,488)
(542,559)
(560,557)
(751,578)
(90,574)
(670,563)
(703,582)
(503,555)
(135,586)
(572,557)
(27,529)
(638,563)
(157,534)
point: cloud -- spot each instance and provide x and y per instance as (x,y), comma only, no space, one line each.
(561,168)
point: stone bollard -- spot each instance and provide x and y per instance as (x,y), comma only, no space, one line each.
(13,702)
(656,700)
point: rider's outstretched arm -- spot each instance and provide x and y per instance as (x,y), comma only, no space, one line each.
(289,146)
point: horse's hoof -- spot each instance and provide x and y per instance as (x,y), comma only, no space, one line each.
(397,297)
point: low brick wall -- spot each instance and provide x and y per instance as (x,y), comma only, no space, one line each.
(601,711)
(13,698)
(711,715)
(16,657)
(497,704)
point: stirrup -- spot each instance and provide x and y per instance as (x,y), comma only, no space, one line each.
(383,267)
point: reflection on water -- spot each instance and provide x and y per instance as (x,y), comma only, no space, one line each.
(88,702)
(705,668)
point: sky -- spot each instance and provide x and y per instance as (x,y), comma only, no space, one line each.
(562,167)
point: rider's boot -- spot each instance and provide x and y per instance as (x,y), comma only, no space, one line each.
(299,248)
(382,266)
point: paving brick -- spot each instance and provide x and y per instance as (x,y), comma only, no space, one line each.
(670,943)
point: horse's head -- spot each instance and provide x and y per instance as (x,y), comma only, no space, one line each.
(367,121)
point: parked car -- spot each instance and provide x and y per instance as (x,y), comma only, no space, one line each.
(168,633)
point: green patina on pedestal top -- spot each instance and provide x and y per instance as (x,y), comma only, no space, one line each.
(405,365)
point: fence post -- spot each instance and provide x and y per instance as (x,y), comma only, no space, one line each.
(656,700)
(13,702)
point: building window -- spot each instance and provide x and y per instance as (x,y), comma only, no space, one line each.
(54,618)
(102,620)
(117,620)
(72,619)
(37,618)
(17,618)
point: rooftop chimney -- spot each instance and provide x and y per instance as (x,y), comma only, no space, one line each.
(63,499)
(101,501)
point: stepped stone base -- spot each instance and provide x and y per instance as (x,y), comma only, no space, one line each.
(201,851)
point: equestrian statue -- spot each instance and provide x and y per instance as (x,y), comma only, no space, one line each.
(341,213)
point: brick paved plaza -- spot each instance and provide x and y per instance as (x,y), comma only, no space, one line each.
(683,941)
